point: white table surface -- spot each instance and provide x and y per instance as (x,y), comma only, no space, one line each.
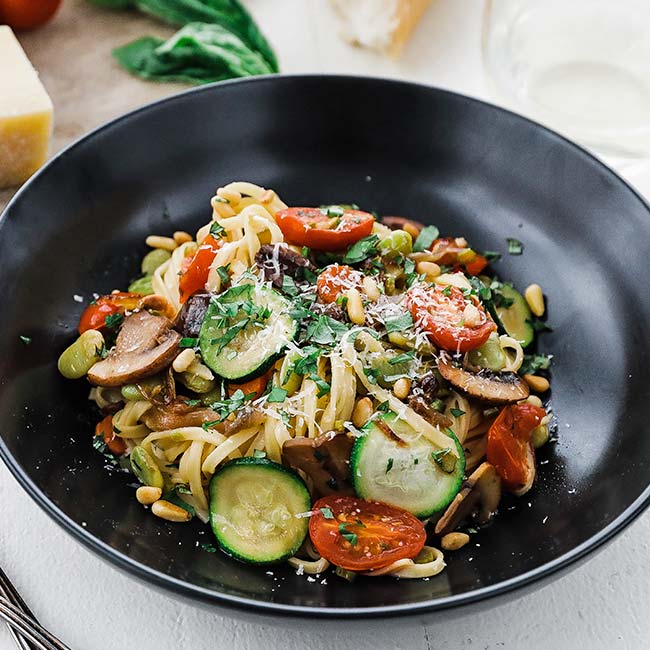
(602,605)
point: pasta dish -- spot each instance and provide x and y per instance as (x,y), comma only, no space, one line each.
(320,385)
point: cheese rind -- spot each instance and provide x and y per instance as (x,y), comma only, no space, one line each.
(25,114)
(383,25)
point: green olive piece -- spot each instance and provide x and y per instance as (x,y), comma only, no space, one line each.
(142,286)
(489,355)
(153,259)
(76,360)
(399,242)
(145,468)
(196,383)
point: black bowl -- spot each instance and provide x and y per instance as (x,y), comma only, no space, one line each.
(79,225)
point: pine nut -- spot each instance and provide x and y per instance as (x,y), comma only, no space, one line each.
(355,308)
(537,383)
(182,237)
(534,400)
(454,541)
(229,195)
(267,197)
(402,387)
(156,241)
(169,511)
(370,288)
(362,412)
(430,270)
(535,299)
(146,495)
(411,229)
(461,242)
(184,360)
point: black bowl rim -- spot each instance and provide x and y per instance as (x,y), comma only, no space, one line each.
(157,578)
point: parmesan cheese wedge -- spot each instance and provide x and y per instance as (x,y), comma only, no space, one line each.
(25,114)
(382,25)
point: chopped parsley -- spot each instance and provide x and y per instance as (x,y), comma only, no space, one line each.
(515,247)
(113,321)
(384,407)
(446,291)
(425,239)
(444,459)
(325,331)
(188,342)
(389,465)
(277,394)
(492,256)
(206,426)
(327,513)
(289,286)
(322,386)
(456,412)
(216,229)
(227,406)
(534,362)
(224,273)
(362,250)
(400,323)
(353,538)
(27,340)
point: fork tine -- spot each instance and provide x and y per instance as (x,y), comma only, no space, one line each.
(29,628)
(11,594)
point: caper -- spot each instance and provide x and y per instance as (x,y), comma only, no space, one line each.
(539,435)
(153,259)
(142,286)
(145,468)
(489,355)
(398,242)
(76,360)
(196,383)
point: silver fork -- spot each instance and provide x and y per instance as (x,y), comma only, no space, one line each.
(23,626)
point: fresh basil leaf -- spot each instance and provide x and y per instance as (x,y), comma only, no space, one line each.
(277,394)
(362,250)
(398,324)
(515,247)
(425,239)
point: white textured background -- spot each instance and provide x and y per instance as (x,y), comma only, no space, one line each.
(602,605)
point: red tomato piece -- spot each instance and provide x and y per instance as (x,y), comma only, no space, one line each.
(509,447)
(447,251)
(336,279)
(361,535)
(27,14)
(195,271)
(443,311)
(112,440)
(319,230)
(94,316)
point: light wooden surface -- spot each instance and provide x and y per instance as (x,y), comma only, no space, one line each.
(602,605)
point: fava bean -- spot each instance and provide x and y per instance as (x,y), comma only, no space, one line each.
(153,259)
(145,468)
(76,360)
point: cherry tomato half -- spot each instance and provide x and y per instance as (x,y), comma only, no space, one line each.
(27,14)
(443,312)
(360,535)
(509,447)
(336,279)
(195,273)
(319,230)
(447,251)
(112,440)
(94,316)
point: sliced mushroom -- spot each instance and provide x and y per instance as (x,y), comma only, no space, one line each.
(479,497)
(190,318)
(162,417)
(402,223)
(486,385)
(421,407)
(325,459)
(145,345)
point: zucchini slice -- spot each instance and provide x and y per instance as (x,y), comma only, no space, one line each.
(254,510)
(245,330)
(516,319)
(390,462)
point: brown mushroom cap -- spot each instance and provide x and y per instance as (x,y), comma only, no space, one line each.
(324,459)
(479,494)
(145,345)
(161,417)
(486,385)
